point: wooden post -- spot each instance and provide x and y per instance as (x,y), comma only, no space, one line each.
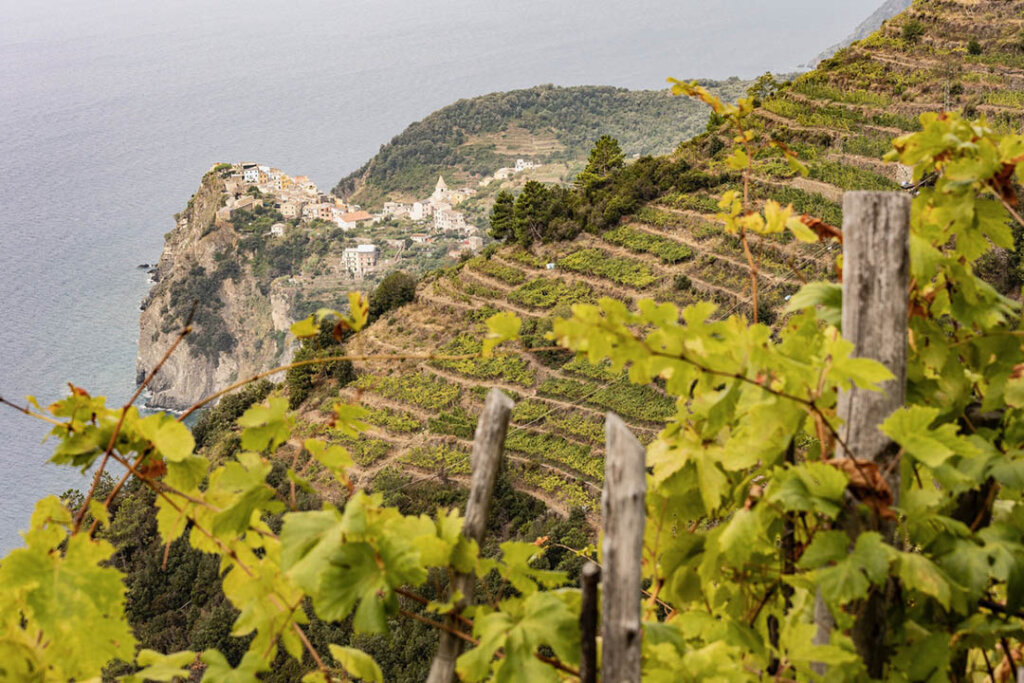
(589,576)
(622,506)
(485,461)
(876,271)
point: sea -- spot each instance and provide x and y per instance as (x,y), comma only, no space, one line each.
(111,111)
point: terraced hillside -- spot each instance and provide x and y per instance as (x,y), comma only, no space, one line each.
(839,118)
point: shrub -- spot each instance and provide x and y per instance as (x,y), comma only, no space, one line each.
(555,449)
(456,422)
(300,380)
(912,31)
(529,411)
(221,417)
(395,290)
(850,177)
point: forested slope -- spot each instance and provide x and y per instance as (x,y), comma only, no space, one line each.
(474,137)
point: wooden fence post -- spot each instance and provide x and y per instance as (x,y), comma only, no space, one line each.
(876,271)
(485,461)
(589,576)
(623,511)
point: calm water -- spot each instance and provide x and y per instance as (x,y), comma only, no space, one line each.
(111,111)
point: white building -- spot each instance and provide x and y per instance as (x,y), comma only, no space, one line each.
(250,173)
(277,229)
(446,220)
(523,164)
(361,259)
(421,210)
(348,220)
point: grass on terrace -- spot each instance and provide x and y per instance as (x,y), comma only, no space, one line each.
(624,271)
(496,270)
(641,241)
(508,367)
(545,292)
(421,389)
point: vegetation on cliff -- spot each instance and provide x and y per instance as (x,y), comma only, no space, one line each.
(474,137)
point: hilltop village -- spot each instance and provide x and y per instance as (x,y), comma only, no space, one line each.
(433,224)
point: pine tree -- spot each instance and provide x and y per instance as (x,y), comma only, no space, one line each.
(531,213)
(605,158)
(503,216)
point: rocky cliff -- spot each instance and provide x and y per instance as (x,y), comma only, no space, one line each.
(239,327)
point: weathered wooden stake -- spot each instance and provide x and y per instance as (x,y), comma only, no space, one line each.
(622,507)
(876,270)
(485,461)
(589,576)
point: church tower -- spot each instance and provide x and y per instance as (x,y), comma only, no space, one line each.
(440,190)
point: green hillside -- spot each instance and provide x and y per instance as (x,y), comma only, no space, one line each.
(839,118)
(474,137)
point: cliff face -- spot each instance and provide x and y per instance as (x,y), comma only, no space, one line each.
(238,329)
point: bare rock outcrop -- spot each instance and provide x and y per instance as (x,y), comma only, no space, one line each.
(237,330)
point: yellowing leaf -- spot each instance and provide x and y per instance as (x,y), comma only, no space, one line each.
(307,327)
(919,573)
(501,327)
(738,160)
(357,663)
(800,230)
(359,310)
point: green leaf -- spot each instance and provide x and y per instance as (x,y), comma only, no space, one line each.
(739,536)
(99,512)
(348,418)
(336,459)
(171,438)
(713,483)
(850,578)
(515,567)
(357,663)
(910,428)
(161,667)
(520,628)
(738,160)
(825,297)
(68,598)
(1014,394)
(825,547)
(218,670)
(265,427)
